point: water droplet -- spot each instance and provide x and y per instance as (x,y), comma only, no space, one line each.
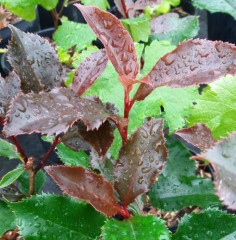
(140,180)
(146,169)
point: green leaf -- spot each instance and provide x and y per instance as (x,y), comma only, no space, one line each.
(26,8)
(56,217)
(8,150)
(71,34)
(178,186)
(225,6)
(72,158)
(7,218)
(171,27)
(139,28)
(216,107)
(11,176)
(136,228)
(116,145)
(207,225)
(39,181)
(103,4)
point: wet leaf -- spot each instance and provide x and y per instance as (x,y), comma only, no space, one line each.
(116,40)
(70,34)
(7,218)
(83,184)
(199,136)
(8,150)
(179,186)
(53,113)
(128,10)
(141,4)
(9,88)
(173,28)
(80,220)
(11,176)
(225,6)
(140,161)
(39,181)
(88,71)
(216,107)
(192,62)
(35,62)
(222,156)
(103,4)
(206,225)
(136,228)
(26,9)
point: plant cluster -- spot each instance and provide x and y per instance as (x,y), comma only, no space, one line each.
(116,125)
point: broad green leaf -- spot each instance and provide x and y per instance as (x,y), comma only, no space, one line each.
(39,181)
(56,218)
(210,224)
(103,4)
(84,184)
(7,218)
(136,228)
(11,176)
(216,107)
(225,6)
(178,186)
(174,29)
(26,9)
(71,34)
(8,150)
(139,28)
(116,145)
(71,157)
(222,156)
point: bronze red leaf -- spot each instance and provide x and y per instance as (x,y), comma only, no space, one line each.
(141,160)
(85,185)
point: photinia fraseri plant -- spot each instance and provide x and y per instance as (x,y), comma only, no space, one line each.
(34,99)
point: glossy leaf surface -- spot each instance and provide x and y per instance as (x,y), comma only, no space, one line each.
(7,218)
(88,71)
(141,4)
(225,6)
(70,34)
(35,61)
(216,107)
(11,176)
(80,221)
(171,27)
(9,88)
(125,10)
(222,156)
(140,161)
(83,184)
(136,228)
(206,225)
(8,150)
(179,186)
(192,62)
(199,136)
(53,113)
(116,40)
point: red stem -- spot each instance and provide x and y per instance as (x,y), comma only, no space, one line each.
(20,149)
(124,212)
(124,8)
(46,156)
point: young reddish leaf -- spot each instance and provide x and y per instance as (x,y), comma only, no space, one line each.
(141,160)
(9,88)
(35,61)
(125,9)
(222,156)
(115,38)
(198,135)
(141,4)
(88,71)
(99,139)
(192,62)
(83,184)
(53,113)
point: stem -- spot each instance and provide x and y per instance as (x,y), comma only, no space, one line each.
(31,181)
(124,212)
(72,2)
(46,156)
(124,8)
(55,17)
(20,149)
